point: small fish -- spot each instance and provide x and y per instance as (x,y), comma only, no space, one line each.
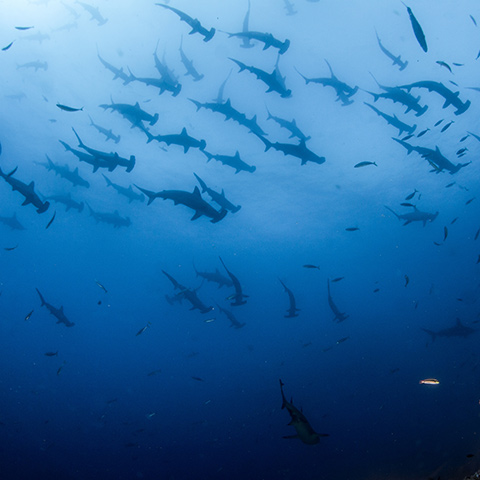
(60,368)
(209,320)
(478,260)
(364,164)
(437,244)
(409,197)
(66,108)
(407,280)
(51,354)
(308,265)
(101,286)
(394,370)
(459,299)
(342,340)
(464,138)
(438,123)
(443,64)
(454,220)
(458,64)
(423,132)
(51,221)
(9,249)
(446,126)
(462,150)
(406,204)
(376,290)
(113,400)
(408,137)
(8,46)
(143,329)
(327,349)
(150,415)
(151,374)
(466,203)
(470,455)
(337,279)
(450,185)
(198,379)
(23,28)
(445,233)
(429,381)
(477,234)
(306,344)
(473,20)
(478,55)
(29,314)
(352,229)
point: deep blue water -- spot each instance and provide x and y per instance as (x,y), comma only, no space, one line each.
(191,397)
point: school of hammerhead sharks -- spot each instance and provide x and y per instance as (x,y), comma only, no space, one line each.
(80,149)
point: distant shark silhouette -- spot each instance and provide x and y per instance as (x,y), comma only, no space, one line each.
(458,330)
(56,312)
(305,432)
(415,216)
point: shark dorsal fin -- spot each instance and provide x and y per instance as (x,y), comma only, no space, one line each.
(196,191)
(184,131)
(31,185)
(237,154)
(137,105)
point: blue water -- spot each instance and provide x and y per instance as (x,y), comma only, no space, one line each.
(191,397)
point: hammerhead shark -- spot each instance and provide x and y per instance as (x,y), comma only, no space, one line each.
(193,22)
(125,191)
(415,216)
(292,309)
(391,56)
(274,81)
(192,200)
(451,98)
(305,432)
(112,158)
(26,190)
(233,321)
(56,312)
(394,121)
(238,296)
(339,316)
(458,330)
(64,171)
(233,161)
(218,198)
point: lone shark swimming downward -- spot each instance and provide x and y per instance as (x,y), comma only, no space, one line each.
(339,316)
(238,296)
(305,432)
(292,309)
(56,312)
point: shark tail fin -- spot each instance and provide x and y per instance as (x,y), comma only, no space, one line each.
(431,333)
(388,208)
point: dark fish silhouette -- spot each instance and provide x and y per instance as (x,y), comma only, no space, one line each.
(233,321)
(66,108)
(114,218)
(218,198)
(417,30)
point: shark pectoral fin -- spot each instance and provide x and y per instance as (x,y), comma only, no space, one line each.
(26,202)
(197,215)
(407,222)
(290,436)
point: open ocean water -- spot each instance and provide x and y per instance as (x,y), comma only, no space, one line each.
(192,210)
